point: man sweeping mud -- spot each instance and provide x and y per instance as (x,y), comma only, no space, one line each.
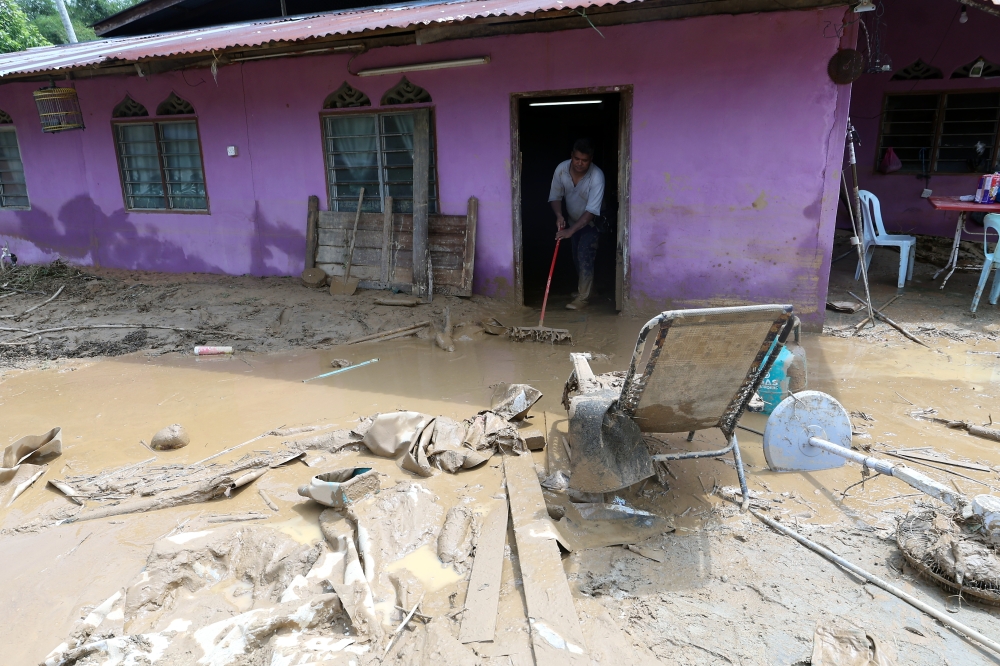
(580,183)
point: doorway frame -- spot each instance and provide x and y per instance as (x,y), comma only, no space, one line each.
(622,281)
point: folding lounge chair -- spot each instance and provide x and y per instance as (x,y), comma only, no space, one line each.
(699,371)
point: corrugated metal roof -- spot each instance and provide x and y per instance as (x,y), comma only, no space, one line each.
(205,40)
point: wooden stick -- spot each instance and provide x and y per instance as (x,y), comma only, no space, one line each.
(29,333)
(874,580)
(944,461)
(402,624)
(233,448)
(32,309)
(385,334)
(868,319)
(941,469)
(896,326)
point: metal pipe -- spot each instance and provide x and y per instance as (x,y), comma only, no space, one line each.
(943,618)
(913,478)
(337,372)
(856,215)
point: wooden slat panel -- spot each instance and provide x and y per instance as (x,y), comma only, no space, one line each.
(342,220)
(361,272)
(342,238)
(449,244)
(363,256)
(480,620)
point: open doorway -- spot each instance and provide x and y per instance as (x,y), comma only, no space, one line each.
(547,127)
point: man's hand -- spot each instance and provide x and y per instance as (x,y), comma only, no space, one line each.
(560,223)
(563,234)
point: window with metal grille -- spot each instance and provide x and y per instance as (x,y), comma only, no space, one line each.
(942,132)
(161,166)
(13,190)
(374,151)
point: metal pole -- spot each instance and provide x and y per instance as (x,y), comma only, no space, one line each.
(915,479)
(856,216)
(943,618)
(67,24)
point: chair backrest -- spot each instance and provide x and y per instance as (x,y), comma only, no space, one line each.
(991,221)
(871,211)
(705,371)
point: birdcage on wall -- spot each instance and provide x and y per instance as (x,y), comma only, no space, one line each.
(58,109)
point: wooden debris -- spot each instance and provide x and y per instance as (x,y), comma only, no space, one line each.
(387,335)
(555,629)
(402,301)
(868,319)
(32,309)
(943,461)
(203,492)
(479,623)
(906,333)
(533,438)
(402,625)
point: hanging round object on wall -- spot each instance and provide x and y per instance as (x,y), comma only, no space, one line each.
(846,66)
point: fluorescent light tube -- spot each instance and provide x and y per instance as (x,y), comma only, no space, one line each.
(422,66)
(578,101)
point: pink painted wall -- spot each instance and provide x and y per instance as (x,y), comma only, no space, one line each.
(929,30)
(736,153)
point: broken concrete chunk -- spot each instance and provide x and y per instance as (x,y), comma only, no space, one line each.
(170,438)
(533,438)
(342,487)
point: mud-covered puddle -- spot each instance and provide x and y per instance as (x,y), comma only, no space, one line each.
(106,407)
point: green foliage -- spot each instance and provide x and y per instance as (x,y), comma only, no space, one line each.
(16,32)
(83,13)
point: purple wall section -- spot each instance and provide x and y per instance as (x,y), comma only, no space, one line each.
(929,30)
(735,157)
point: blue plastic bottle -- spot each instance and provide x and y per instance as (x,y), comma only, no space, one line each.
(787,375)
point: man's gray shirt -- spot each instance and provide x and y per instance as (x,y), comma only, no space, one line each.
(585,196)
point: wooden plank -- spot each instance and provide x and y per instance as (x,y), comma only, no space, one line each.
(342,238)
(556,636)
(480,619)
(386,238)
(360,272)
(344,220)
(363,256)
(312,219)
(421,184)
(469,259)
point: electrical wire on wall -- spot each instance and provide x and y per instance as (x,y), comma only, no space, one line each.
(875,40)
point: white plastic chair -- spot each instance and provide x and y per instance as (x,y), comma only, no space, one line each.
(875,236)
(991,221)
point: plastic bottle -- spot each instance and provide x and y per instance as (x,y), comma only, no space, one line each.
(789,373)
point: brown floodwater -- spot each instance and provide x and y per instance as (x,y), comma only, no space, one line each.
(106,407)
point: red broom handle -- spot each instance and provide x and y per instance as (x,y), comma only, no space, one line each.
(548,284)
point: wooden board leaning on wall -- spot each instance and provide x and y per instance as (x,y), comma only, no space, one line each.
(383,251)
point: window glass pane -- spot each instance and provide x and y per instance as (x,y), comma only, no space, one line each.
(13,191)
(182,170)
(139,165)
(908,127)
(352,162)
(376,152)
(968,133)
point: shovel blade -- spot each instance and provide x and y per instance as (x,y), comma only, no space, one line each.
(607,449)
(341,287)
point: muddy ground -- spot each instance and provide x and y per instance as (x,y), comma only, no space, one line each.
(729,591)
